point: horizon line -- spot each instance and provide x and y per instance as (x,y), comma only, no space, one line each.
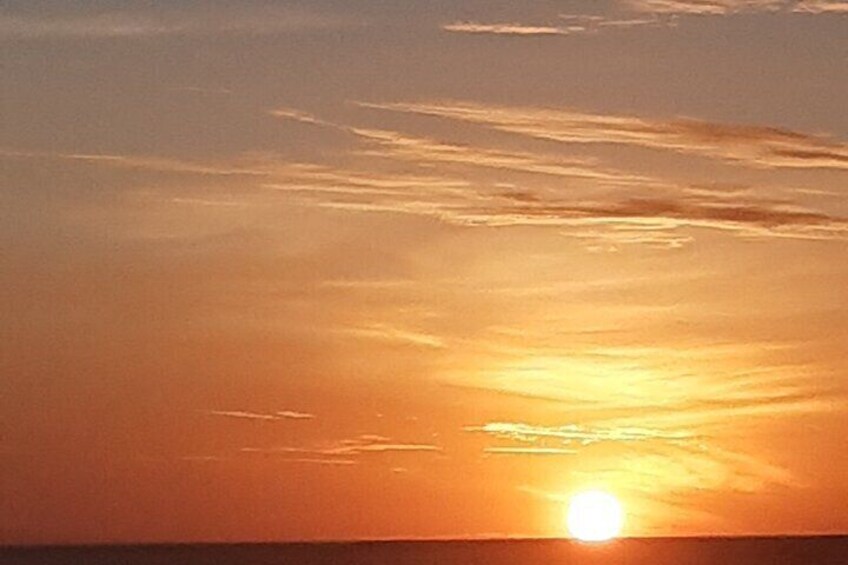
(412,540)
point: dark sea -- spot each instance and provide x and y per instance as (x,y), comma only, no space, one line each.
(666,551)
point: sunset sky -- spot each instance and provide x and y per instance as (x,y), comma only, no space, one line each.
(344,269)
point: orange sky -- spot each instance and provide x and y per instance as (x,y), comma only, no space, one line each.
(333,270)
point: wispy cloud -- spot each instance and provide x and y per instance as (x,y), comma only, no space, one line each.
(366,284)
(708,390)
(385,332)
(264,417)
(648,220)
(644,14)
(571,24)
(201,90)
(251,166)
(617,218)
(821,7)
(584,23)
(529,451)
(705,7)
(756,146)
(579,197)
(292,415)
(661,474)
(515,29)
(664,464)
(170,20)
(319,461)
(303,117)
(242,415)
(695,468)
(578,434)
(729,7)
(347,449)
(201,458)
(418,150)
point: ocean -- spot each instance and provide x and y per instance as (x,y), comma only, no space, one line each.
(831,550)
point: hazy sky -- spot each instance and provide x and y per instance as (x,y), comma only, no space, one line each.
(416,268)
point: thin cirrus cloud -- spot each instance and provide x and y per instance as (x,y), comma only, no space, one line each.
(661,14)
(652,220)
(728,7)
(505,29)
(821,7)
(319,461)
(385,332)
(167,21)
(705,7)
(415,149)
(754,146)
(402,147)
(572,24)
(625,216)
(573,433)
(528,451)
(564,194)
(665,462)
(685,439)
(263,417)
(346,450)
(665,472)
(245,167)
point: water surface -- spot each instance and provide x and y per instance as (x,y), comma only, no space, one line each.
(656,551)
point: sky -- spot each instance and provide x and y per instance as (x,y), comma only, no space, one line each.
(347,269)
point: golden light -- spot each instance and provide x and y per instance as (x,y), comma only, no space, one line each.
(594,516)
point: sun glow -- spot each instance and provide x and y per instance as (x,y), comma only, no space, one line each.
(594,516)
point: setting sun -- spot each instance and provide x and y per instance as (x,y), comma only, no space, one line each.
(594,516)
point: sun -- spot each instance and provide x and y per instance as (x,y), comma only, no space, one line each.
(594,516)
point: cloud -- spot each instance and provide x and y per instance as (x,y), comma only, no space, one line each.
(663,474)
(579,197)
(705,7)
(370,443)
(574,24)
(618,217)
(529,451)
(754,146)
(663,420)
(514,29)
(201,90)
(630,391)
(201,458)
(302,117)
(665,463)
(367,284)
(241,415)
(311,178)
(573,433)
(389,333)
(392,447)
(250,166)
(274,417)
(292,415)
(613,218)
(684,470)
(661,14)
(317,461)
(366,444)
(169,20)
(417,150)
(821,7)
(729,7)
